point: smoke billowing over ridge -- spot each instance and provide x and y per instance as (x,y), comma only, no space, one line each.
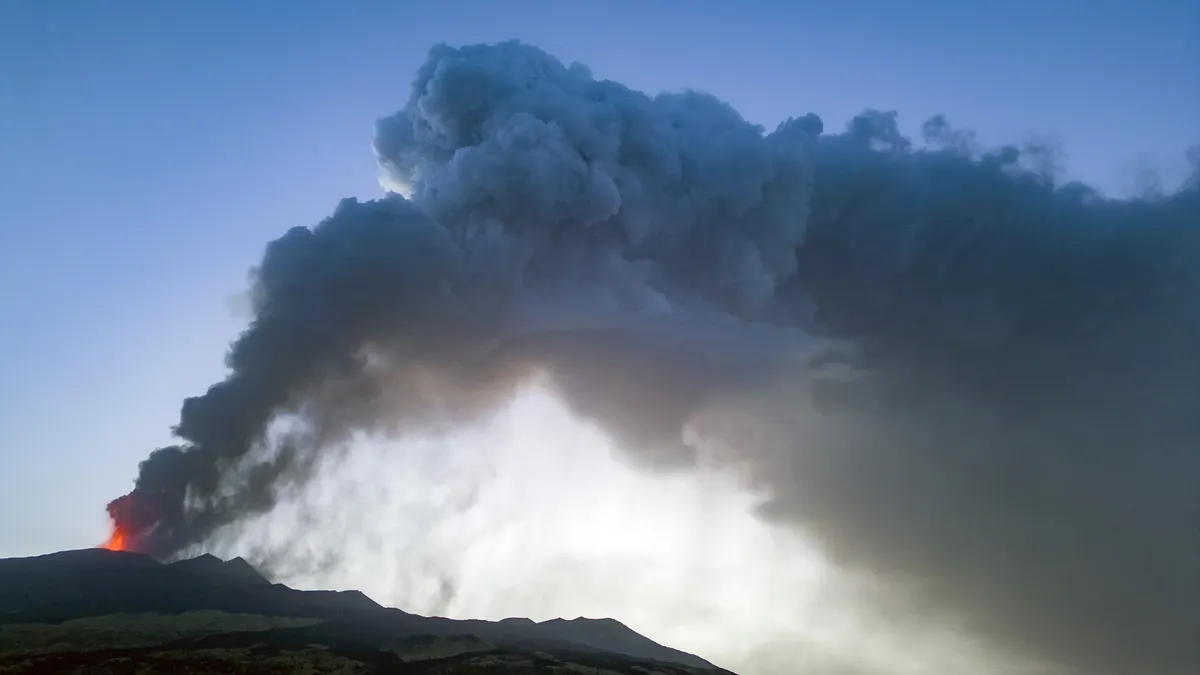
(1017,448)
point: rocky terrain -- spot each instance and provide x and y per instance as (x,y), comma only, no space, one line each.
(100,611)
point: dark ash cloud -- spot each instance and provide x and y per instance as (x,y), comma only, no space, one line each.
(1019,444)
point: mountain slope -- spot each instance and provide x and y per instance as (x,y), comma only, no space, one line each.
(46,596)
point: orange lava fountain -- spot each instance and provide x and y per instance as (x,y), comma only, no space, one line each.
(117,541)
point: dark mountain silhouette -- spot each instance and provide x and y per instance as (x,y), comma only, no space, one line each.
(74,585)
(236,570)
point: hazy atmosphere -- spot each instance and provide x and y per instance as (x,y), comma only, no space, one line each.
(806,338)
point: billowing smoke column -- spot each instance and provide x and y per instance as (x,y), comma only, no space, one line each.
(1018,448)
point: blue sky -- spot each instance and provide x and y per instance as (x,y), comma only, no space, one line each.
(149,150)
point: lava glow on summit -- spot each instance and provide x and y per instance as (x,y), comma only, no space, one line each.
(118,541)
(132,518)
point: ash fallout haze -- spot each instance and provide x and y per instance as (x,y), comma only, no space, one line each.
(815,388)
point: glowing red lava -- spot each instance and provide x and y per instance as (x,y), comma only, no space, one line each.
(134,516)
(117,541)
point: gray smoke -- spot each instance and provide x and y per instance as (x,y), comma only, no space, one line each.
(1018,446)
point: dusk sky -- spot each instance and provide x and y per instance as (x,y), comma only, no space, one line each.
(150,150)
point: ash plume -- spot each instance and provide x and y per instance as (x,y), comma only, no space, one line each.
(1016,450)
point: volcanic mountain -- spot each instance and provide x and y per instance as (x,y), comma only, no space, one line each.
(93,610)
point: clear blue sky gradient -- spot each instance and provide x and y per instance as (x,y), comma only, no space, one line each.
(149,150)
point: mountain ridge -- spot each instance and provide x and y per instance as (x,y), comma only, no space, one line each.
(61,587)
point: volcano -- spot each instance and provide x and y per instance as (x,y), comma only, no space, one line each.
(87,610)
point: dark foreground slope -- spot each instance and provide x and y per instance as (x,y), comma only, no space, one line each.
(103,611)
